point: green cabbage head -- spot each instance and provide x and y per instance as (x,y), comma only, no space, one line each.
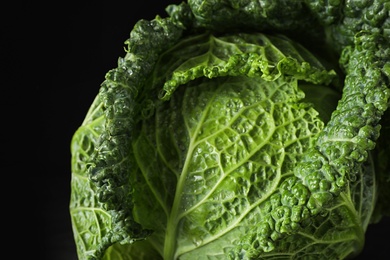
(238,129)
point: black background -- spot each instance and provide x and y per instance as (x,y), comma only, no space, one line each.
(54,59)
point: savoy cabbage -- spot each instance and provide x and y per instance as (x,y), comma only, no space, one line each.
(239,129)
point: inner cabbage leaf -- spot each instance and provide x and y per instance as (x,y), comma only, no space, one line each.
(211,157)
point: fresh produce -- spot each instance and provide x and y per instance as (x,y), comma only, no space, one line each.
(238,129)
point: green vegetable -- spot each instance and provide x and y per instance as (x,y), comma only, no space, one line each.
(239,129)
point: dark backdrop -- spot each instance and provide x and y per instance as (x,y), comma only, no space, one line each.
(69,49)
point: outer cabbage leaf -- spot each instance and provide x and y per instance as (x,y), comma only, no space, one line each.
(344,145)
(288,17)
(101,199)
(212,155)
(343,20)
